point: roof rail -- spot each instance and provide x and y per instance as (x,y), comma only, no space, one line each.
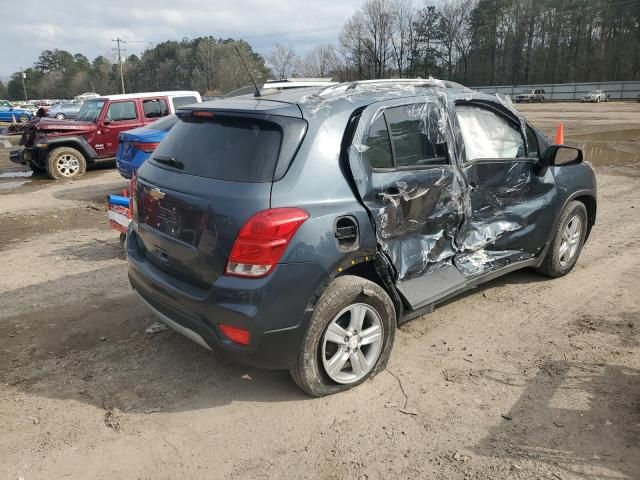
(297,83)
(384,81)
(301,79)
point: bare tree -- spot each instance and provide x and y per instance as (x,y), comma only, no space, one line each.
(378,23)
(320,61)
(463,38)
(283,61)
(402,37)
(366,38)
(351,44)
(453,17)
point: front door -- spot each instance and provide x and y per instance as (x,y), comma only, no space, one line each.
(509,211)
(411,187)
(120,115)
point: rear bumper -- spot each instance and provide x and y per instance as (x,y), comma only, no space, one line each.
(128,167)
(274,309)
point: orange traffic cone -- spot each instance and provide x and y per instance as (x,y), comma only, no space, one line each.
(559,138)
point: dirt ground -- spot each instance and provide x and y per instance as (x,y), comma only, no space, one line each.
(524,378)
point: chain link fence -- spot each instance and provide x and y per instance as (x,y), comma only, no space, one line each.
(570,91)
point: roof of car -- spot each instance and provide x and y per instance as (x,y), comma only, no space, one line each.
(347,95)
(128,96)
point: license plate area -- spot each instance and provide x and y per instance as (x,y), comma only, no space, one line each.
(172,215)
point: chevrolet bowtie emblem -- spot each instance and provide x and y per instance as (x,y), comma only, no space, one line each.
(157,194)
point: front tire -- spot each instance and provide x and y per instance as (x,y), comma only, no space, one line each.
(23,118)
(349,338)
(65,163)
(567,241)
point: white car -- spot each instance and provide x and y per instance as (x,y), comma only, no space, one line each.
(595,96)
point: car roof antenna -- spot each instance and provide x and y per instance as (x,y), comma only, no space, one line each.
(257,94)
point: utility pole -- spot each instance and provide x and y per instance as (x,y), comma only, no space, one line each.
(118,42)
(24,86)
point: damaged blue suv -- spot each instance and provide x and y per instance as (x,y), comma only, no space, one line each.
(297,230)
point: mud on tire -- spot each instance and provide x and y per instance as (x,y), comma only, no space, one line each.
(308,370)
(65,163)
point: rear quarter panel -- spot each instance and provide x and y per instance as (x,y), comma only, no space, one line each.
(317,182)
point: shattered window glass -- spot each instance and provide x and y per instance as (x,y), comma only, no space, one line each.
(378,153)
(409,126)
(488,135)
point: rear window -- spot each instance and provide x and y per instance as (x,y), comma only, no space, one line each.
(224,148)
(155,108)
(180,101)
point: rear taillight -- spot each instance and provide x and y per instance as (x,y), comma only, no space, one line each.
(147,147)
(262,241)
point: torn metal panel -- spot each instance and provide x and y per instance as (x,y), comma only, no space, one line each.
(416,219)
(416,212)
(483,208)
(483,261)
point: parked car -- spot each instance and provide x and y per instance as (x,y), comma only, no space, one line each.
(135,146)
(5,103)
(299,229)
(86,96)
(62,111)
(64,148)
(596,96)
(530,96)
(14,114)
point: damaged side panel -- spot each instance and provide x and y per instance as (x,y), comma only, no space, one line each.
(443,215)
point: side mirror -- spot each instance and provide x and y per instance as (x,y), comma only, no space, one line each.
(106,121)
(560,155)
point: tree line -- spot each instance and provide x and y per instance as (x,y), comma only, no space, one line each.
(207,64)
(474,42)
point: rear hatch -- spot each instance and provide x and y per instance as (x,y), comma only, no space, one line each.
(212,171)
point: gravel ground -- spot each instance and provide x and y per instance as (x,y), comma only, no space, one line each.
(524,378)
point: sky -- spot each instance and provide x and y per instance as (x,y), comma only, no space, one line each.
(88,26)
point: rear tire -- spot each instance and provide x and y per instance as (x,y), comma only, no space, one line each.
(363,355)
(567,241)
(65,163)
(23,118)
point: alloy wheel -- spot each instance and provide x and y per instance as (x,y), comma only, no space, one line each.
(352,343)
(571,237)
(67,165)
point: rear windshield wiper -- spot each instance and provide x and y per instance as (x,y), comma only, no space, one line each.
(172,162)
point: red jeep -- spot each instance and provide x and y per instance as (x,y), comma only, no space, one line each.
(64,148)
